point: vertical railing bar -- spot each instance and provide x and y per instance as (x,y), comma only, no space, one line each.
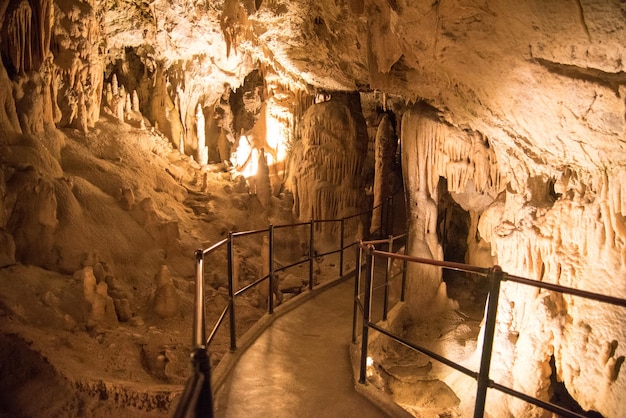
(405,265)
(342,243)
(311,254)
(357,287)
(231,295)
(389,219)
(495,277)
(366,315)
(199,326)
(271,280)
(387,274)
(204,408)
(383,217)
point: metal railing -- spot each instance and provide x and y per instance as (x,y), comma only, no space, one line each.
(495,276)
(196,400)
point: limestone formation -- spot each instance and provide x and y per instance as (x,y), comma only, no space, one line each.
(512,110)
(99,307)
(166,302)
(262,184)
(127,198)
(383,175)
(327,164)
(203,150)
(7,252)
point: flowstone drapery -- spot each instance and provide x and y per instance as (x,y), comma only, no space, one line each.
(575,240)
(327,164)
(432,149)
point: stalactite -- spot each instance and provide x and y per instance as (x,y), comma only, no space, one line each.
(41,34)
(18,29)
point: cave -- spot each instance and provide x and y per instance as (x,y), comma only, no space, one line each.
(134,133)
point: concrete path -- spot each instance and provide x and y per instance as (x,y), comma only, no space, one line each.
(300,366)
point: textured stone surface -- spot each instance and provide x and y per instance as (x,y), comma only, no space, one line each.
(519,105)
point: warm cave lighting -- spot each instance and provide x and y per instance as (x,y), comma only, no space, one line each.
(276,140)
(370,366)
(246,158)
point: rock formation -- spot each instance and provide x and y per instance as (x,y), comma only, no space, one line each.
(126,126)
(166,301)
(328,163)
(383,174)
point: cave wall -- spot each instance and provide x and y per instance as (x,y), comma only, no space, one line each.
(576,241)
(524,118)
(567,231)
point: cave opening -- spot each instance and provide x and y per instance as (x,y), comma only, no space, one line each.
(452,225)
(452,228)
(559,395)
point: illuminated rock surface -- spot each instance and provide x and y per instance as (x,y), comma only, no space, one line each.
(127,127)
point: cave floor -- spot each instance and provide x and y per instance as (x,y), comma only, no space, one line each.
(300,366)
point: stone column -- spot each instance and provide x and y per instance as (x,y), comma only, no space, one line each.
(385,149)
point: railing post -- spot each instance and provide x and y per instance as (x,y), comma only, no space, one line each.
(341,243)
(387,275)
(357,287)
(231,295)
(389,219)
(404,267)
(202,364)
(199,338)
(366,315)
(495,277)
(311,254)
(271,280)
(380,232)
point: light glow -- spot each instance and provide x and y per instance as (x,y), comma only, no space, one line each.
(246,158)
(276,139)
(369,362)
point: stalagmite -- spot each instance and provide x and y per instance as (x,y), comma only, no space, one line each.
(203,150)
(135,102)
(383,175)
(114,86)
(262,181)
(422,280)
(166,302)
(128,106)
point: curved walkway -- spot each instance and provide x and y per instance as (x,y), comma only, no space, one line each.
(299,366)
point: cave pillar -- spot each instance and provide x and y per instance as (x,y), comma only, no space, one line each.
(383,175)
(327,165)
(423,281)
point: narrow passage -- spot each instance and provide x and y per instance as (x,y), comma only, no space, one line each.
(299,366)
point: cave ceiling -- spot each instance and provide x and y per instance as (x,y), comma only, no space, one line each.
(544,81)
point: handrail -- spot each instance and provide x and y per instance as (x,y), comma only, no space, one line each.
(495,276)
(198,390)
(214,246)
(288,266)
(446,264)
(569,290)
(252,232)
